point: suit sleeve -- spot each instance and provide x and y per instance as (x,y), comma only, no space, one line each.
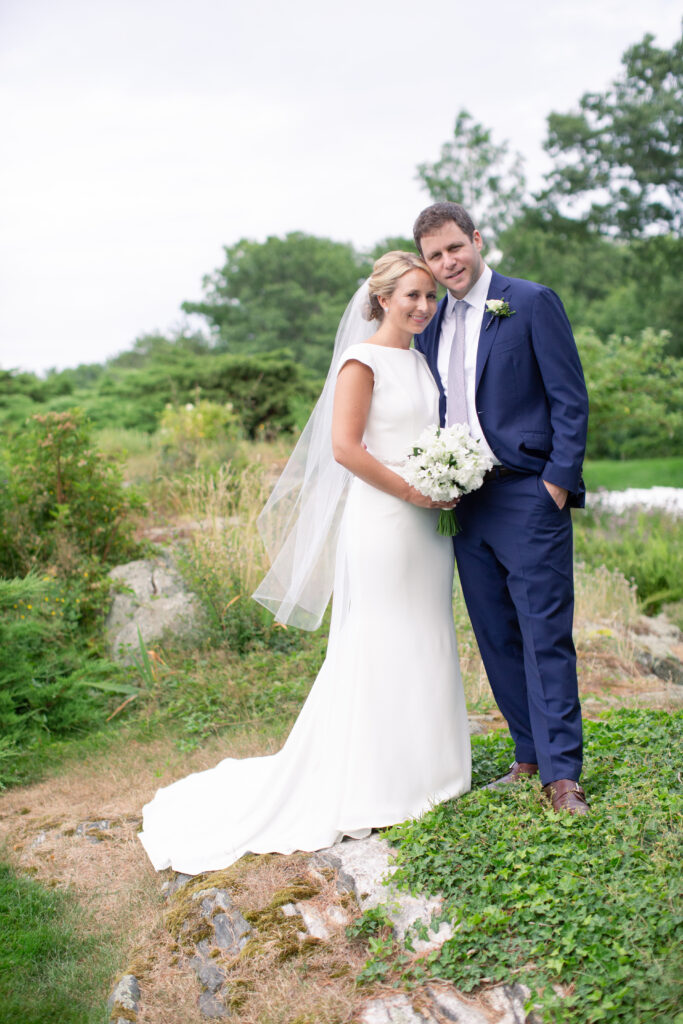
(565,389)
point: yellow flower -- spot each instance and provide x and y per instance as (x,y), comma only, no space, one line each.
(29,606)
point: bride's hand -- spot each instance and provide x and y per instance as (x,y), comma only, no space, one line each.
(415,497)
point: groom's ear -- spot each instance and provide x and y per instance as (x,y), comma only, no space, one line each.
(477,239)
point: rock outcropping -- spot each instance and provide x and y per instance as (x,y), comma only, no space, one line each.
(154,601)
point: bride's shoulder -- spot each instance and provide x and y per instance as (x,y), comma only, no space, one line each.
(362,351)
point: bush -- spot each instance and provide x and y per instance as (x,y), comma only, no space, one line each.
(52,677)
(61,502)
(635,392)
(201,436)
(646,547)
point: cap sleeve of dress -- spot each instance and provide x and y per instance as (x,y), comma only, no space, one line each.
(360,353)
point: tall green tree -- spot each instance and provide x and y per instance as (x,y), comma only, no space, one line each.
(282,293)
(480,174)
(618,157)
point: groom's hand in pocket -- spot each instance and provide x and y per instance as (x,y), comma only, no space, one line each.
(558,494)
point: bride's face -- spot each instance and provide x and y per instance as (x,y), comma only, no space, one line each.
(413,302)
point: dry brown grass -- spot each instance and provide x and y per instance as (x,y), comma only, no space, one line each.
(229,545)
(282,975)
(108,871)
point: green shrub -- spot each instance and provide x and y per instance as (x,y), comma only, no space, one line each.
(201,436)
(646,547)
(61,502)
(635,392)
(53,680)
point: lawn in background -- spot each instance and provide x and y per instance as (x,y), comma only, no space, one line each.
(618,476)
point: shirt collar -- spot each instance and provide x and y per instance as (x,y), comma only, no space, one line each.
(476,296)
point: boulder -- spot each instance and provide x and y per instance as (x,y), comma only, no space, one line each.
(154,601)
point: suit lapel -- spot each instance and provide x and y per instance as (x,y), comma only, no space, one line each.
(489,325)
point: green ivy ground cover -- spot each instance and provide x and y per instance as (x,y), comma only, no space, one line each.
(591,905)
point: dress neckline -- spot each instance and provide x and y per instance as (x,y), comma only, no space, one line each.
(389,348)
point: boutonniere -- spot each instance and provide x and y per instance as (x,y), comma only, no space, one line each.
(498,307)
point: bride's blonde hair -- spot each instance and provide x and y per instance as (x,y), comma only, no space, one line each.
(387,271)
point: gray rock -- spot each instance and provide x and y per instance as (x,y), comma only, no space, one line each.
(362,867)
(669,669)
(210,977)
(230,932)
(126,997)
(213,1007)
(392,1010)
(86,828)
(453,1008)
(177,882)
(507,1001)
(156,600)
(319,922)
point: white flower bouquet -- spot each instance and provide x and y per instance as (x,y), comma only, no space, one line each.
(444,464)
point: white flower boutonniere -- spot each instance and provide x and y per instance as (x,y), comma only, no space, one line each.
(498,307)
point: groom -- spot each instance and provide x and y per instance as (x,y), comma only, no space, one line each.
(505,361)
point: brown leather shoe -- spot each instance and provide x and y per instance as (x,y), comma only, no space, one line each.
(567,795)
(519,770)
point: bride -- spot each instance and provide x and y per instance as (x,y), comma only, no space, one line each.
(383,735)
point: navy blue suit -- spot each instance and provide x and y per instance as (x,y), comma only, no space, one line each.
(514,551)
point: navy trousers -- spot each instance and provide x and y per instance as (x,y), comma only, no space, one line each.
(515,560)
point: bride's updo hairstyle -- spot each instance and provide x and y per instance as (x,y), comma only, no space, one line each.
(387,271)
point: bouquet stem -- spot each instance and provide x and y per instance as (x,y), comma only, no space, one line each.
(448,523)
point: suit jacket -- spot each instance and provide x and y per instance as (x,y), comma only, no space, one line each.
(530,392)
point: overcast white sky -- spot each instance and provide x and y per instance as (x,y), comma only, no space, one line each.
(141,136)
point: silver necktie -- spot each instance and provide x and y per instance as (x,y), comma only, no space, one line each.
(456,398)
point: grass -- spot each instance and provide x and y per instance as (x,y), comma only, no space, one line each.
(646,547)
(51,969)
(618,476)
(585,912)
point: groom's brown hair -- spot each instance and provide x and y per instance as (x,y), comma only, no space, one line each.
(435,216)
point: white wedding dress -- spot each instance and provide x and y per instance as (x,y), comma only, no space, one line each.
(383,735)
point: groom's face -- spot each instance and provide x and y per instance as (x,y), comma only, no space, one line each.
(453,258)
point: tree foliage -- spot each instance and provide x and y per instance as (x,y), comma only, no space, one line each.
(606,284)
(635,393)
(619,154)
(284,293)
(480,174)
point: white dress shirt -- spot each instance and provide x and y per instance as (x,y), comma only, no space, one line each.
(474,315)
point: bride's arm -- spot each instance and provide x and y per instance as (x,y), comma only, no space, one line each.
(352,399)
